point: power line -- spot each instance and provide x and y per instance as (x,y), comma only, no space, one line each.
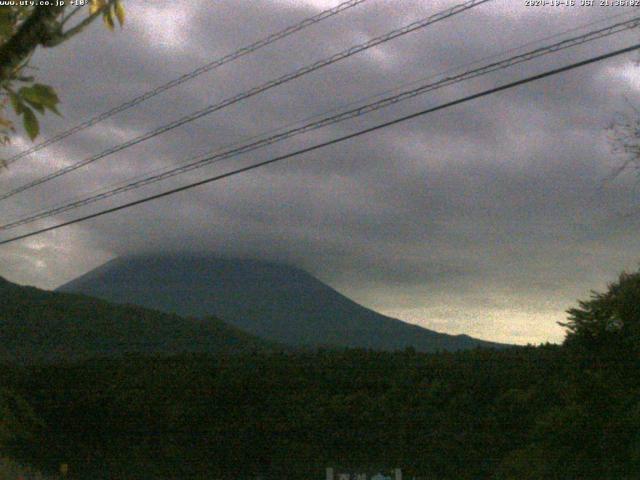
(188,76)
(113,186)
(255,91)
(107,189)
(356,112)
(330,142)
(590,36)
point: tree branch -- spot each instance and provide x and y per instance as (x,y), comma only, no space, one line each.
(68,17)
(64,36)
(36,30)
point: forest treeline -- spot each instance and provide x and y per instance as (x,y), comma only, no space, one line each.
(546,412)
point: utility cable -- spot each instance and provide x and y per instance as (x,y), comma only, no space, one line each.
(188,76)
(330,142)
(340,117)
(254,91)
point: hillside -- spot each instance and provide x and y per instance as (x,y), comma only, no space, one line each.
(36,325)
(272,301)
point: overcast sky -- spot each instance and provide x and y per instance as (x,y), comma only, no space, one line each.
(489,218)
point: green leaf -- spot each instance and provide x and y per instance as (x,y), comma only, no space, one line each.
(39,94)
(31,124)
(38,106)
(54,109)
(47,93)
(119,11)
(7,24)
(95,6)
(28,94)
(16,103)
(107,16)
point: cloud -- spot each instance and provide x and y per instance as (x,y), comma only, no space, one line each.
(488,218)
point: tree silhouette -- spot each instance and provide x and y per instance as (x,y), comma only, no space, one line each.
(610,319)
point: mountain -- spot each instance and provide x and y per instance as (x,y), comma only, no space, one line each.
(272,301)
(41,326)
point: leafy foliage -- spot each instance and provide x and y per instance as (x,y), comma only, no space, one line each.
(22,29)
(609,318)
(111,11)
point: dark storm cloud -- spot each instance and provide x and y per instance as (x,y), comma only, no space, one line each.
(489,218)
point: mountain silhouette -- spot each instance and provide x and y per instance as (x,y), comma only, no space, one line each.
(272,301)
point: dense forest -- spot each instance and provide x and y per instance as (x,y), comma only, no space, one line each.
(547,412)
